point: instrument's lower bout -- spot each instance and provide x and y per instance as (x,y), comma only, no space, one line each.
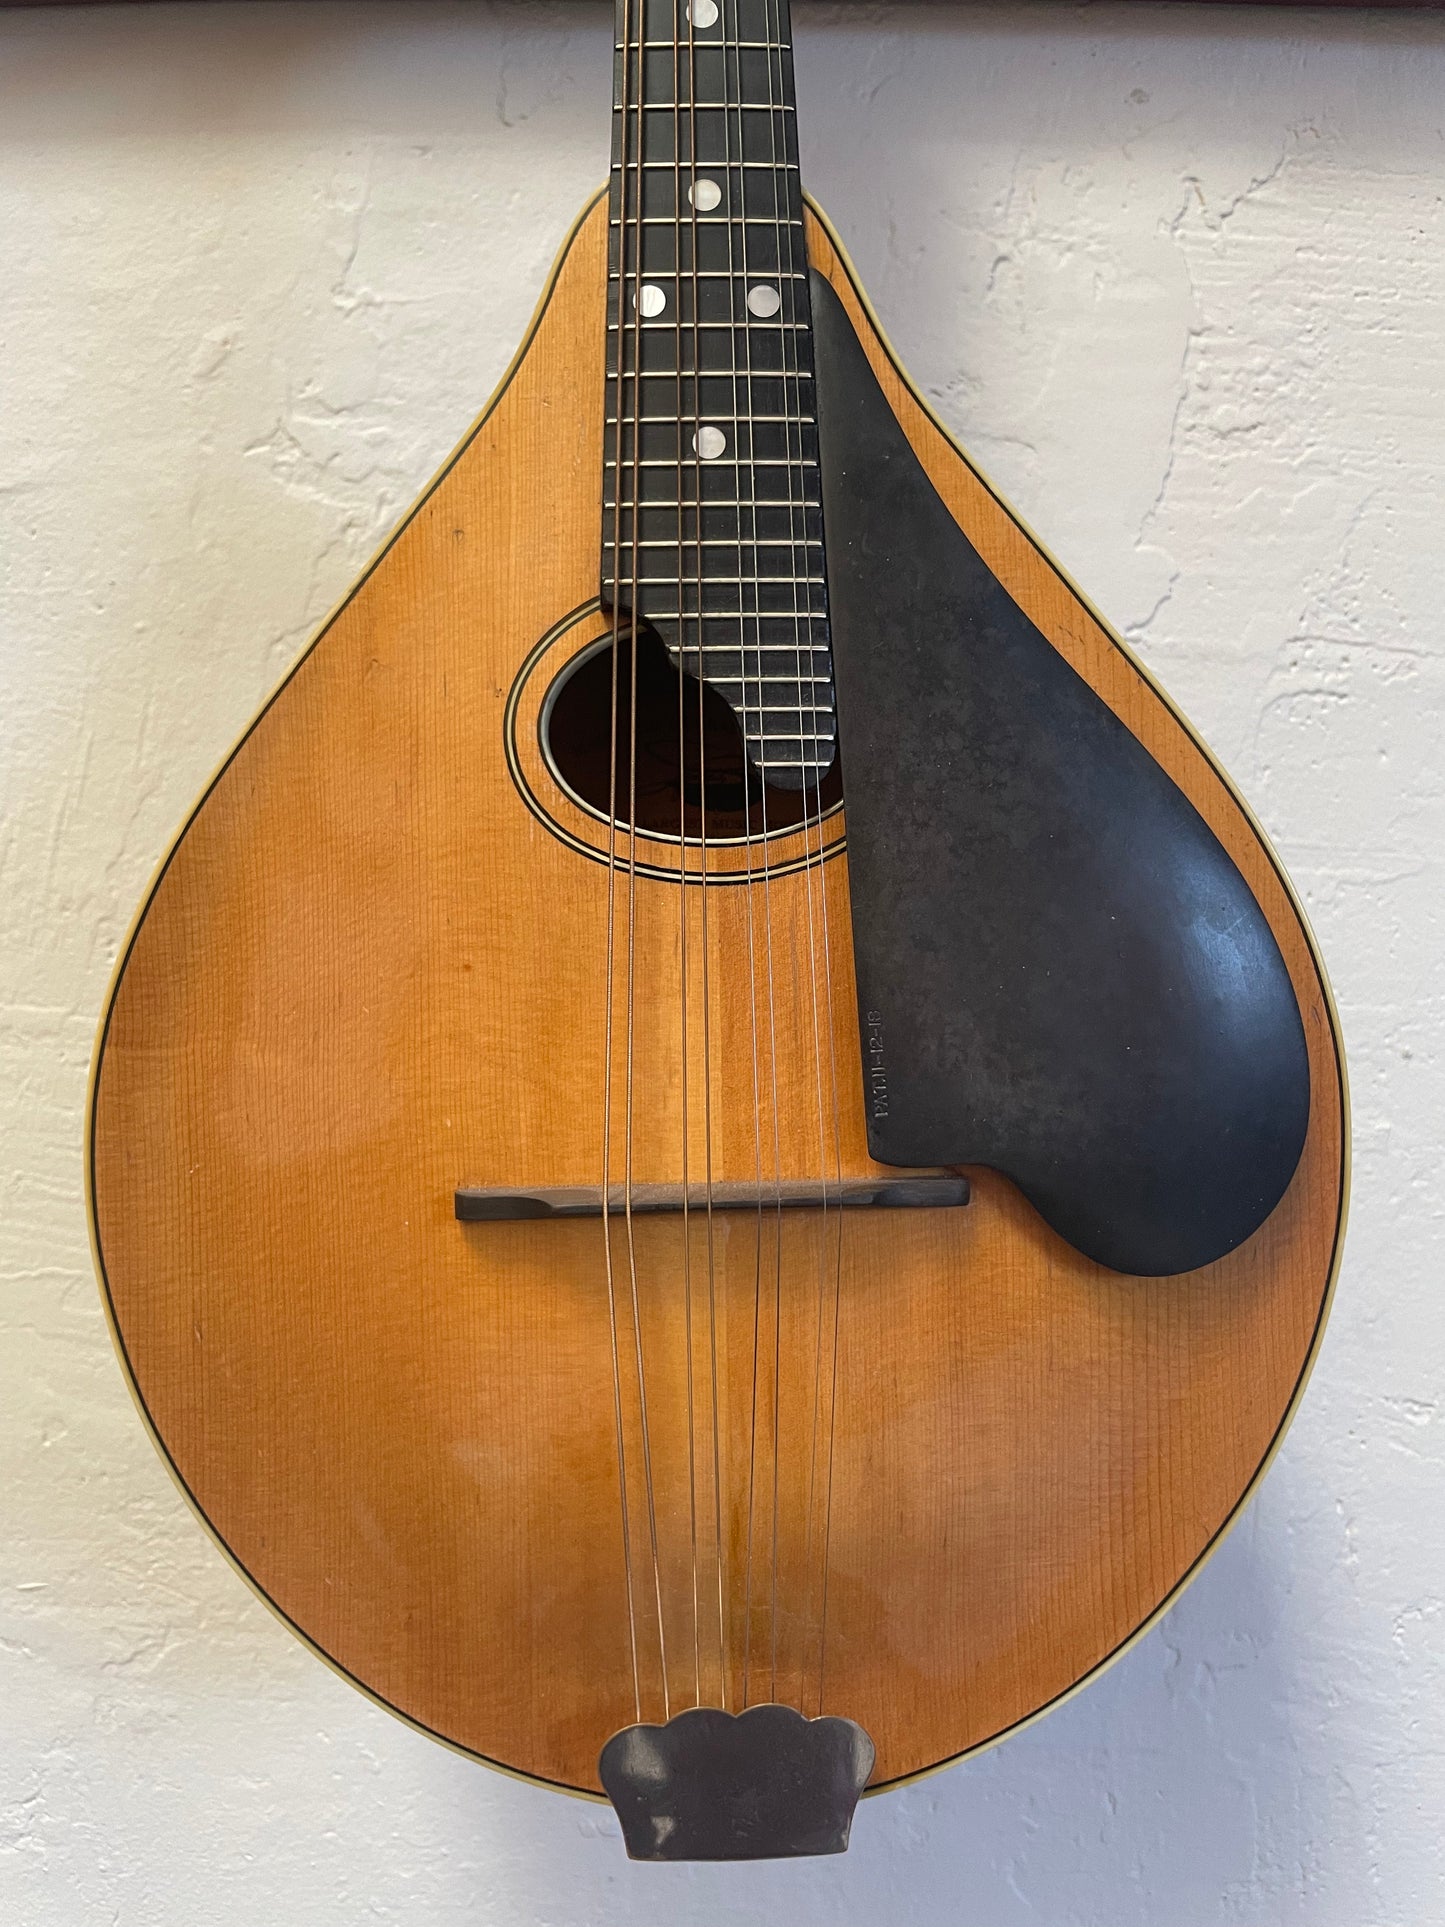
(924,1469)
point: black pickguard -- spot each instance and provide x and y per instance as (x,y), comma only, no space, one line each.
(1061,972)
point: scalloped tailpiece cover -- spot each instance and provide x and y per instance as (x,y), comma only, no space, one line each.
(763,1784)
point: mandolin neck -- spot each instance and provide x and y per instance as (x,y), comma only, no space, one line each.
(712,510)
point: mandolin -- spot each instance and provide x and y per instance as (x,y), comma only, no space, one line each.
(718,1154)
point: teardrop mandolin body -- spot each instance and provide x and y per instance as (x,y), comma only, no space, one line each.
(410,982)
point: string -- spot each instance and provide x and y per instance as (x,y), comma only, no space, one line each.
(792,456)
(682,828)
(738,213)
(779,185)
(741,215)
(718,1551)
(628,1144)
(806,620)
(757,705)
(810,712)
(617,496)
(699,631)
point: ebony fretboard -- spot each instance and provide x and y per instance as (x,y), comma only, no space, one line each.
(712,525)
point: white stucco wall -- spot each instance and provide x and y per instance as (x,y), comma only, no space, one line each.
(1177,277)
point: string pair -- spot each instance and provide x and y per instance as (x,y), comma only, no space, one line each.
(693,436)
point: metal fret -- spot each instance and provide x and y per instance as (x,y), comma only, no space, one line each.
(716,217)
(759,581)
(720,542)
(752,326)
(795,551)
(682,423)
(726,615)
(754,648)
(713,274)
(770,759)
(797,608)
(722,502)
(700,106)
(702,46)
(805,549)
(773,167)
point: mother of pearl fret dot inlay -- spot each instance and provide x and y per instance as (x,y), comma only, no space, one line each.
(704,195)
(650,300)
(703,13)
(764,301)
(709,443)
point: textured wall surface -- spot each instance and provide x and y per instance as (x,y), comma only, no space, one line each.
(1176,277)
